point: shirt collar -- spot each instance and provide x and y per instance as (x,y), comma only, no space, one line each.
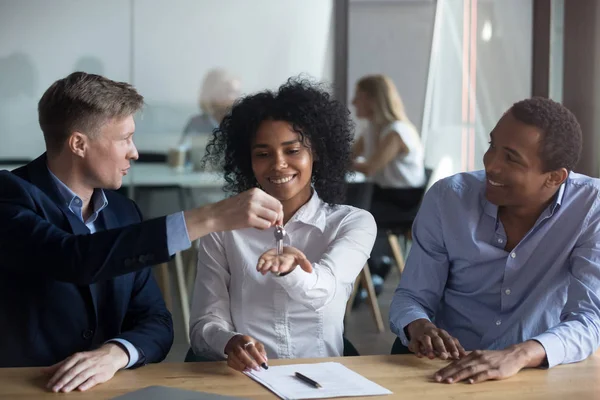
(312,213)
(560,195)
(74,203)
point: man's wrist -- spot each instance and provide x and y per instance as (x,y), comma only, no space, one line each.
(417,323)
(200,222)
(119,355)
(531,353)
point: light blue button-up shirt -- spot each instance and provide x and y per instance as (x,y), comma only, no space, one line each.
(545,289)
(177,236)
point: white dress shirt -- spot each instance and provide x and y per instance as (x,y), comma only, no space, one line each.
(297,315)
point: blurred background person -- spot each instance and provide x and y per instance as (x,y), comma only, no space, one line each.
(218,92)
(390,153)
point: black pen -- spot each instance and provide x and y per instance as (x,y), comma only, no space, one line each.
(306,379)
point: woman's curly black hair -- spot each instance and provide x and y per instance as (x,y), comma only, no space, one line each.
(321,121)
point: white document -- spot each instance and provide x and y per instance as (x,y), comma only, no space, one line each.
(335,379)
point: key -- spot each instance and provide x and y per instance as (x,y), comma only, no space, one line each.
(279,235)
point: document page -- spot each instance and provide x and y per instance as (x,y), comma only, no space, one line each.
(335,380)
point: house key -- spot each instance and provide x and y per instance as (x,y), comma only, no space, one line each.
(279,235)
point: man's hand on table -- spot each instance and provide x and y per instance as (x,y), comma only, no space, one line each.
(427,340)
(85,370)
(483,365)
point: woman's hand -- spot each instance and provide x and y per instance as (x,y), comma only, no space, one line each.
(283,264)
(244,352)
(361,166)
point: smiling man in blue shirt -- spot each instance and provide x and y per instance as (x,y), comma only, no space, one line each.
(506,262)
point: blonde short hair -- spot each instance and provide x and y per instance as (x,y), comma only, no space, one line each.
(83,102)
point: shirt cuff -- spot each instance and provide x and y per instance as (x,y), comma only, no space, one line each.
(409,316)
(298,280)
(220,339)
(554,347)
(177,234)
(132,351)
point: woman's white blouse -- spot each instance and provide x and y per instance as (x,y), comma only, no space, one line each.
(406,170)
(297,315)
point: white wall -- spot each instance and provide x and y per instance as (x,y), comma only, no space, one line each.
(162,47)
(262,41)
(41,41)
(393,38)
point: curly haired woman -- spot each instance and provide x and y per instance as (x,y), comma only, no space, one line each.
(249,304)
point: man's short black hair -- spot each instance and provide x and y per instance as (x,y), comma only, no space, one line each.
(561,134)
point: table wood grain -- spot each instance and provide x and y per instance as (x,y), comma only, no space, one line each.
(405,375)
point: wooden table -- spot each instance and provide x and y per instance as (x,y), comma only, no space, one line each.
(407,376)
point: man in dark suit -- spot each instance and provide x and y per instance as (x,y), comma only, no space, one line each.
(76,291)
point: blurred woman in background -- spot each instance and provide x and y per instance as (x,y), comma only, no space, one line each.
(219,90)
(390,153)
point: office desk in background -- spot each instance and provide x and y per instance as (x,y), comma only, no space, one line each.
(405,375)
(161,175)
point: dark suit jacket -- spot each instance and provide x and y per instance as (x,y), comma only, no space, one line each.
(63,290)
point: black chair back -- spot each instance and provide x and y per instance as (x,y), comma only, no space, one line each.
(14,161)
(149,157)
(359,195)
(428,173)
(402,221)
